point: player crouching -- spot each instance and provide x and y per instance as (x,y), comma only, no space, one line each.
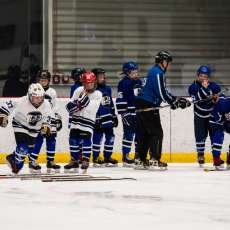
(31,115)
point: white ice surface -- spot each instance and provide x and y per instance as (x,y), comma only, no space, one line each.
(184,197)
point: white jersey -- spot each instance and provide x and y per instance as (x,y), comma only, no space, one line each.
(51,97)
(27,118)
(86,117)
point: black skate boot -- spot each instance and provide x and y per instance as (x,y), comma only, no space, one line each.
(84,165)
(34,167)
(228,161)
(98,163)
(127,161)
(10,159)
(162,165)
(141,165)
(72,167)
(110,162)
(200,159)
(154,164)
(52,167)
(218,163)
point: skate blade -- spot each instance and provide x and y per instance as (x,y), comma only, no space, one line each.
(158,169)
(125,165)
(33,171)
(140,168)
(98,166)
(84,172)
(75,170)
(111,165)
(201,165)
(49,171)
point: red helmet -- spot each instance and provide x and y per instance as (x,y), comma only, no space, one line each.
(88,77)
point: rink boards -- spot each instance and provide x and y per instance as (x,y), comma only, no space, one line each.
(178,143)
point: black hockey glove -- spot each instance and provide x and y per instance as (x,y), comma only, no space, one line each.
(83,100)
(3,120)
(175,105)
(115,120)
(184,103)
(127,119)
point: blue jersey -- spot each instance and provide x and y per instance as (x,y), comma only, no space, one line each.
(73,88)
(106,111)
(154,90)
(221,108)
(198,92)
(128,89)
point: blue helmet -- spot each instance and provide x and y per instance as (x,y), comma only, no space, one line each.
(204,69)
(128,66)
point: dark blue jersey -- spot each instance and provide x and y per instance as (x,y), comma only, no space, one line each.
(128,89)
(198,92)
(106,111)
(154,91)
(221,108)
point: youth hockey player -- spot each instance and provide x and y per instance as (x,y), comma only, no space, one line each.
(219,122)
(200,89)
(106,120)
(43,77)
(82,107)
(149,130)
(32,114)
(128,88)
(76,76)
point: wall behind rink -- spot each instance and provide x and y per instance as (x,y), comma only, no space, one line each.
(178,143)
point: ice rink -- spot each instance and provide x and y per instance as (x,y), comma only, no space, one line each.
(183,197)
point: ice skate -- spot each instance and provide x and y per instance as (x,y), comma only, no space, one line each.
(127,161)
(52,167)
(84,165)
(153,165)
(72,167)
(10,159)
(201,160)
(34,167)
(162,165)
(218,163)
(141,165)
(110,162)
(98,163)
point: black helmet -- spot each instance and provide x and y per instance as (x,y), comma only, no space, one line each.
(163,55)
(98,71)
(43,74)
(76,73)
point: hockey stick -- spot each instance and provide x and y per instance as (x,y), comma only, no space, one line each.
(193,102)
(86,179)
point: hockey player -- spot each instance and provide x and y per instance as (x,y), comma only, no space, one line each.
(76,76)
(149,130)
(82,107)
(43,77)
(106,120)
(32,114)
(128,88)
(219,122)
(200,89)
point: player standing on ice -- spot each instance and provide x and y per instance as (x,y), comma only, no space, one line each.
(128,88)
(83,107)
(76,76)
(219,123)
(32,115)
(43,78)
(200,89)
(149,130)
(106,120)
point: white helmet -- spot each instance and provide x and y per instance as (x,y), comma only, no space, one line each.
(36,94)
(36,90)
